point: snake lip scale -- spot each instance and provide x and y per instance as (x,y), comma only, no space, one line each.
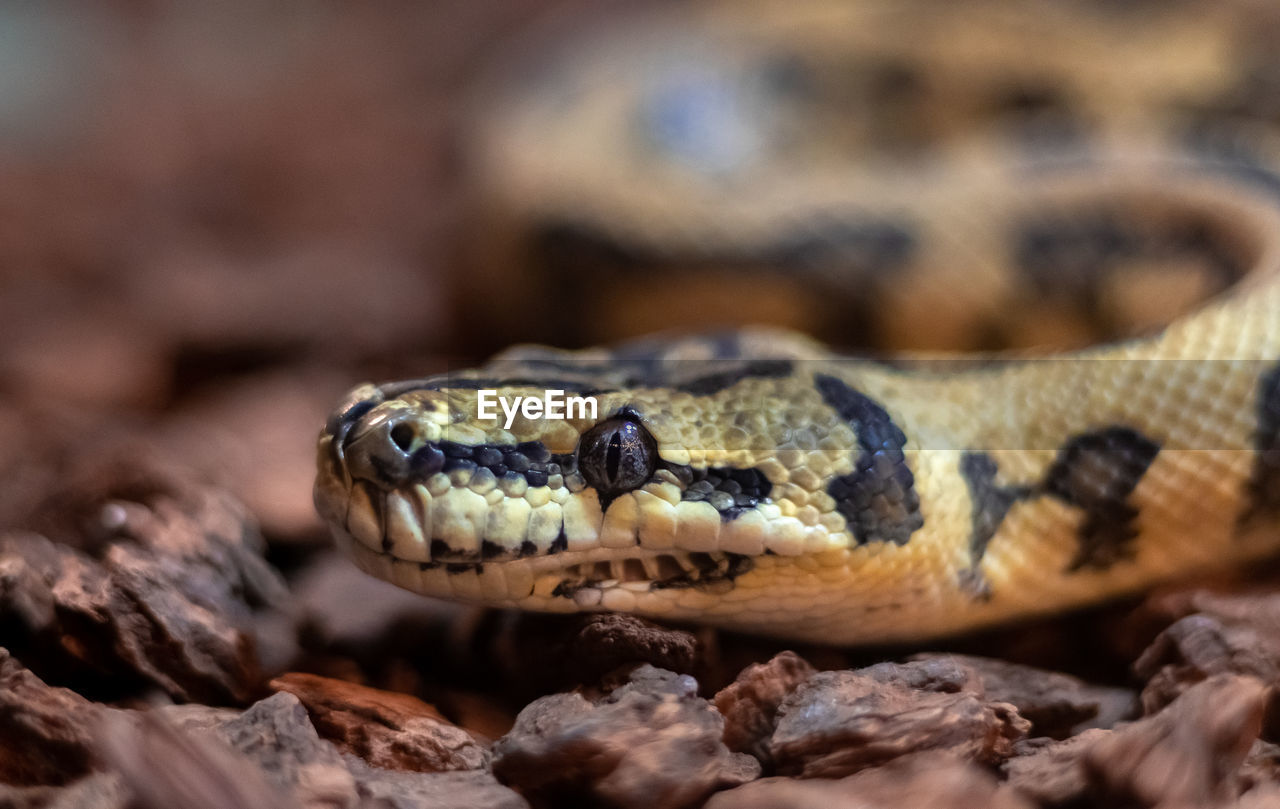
(756,480)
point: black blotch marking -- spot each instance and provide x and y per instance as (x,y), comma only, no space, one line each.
(863,248)
(1038,113)
(850,260)
(1097,472)
(1239,164)
(732,492)
(1067,257)
(646,364)
(990,501)
(426,461)
(567,246)
(755,369)
(1029,99)
(535,451)
(895,80)
(560,543)
(1264,482)
(452,449)
(946,366)
(1222,135)
(878,498)
(452,464)
(530,460)
(868,245)
(450,382)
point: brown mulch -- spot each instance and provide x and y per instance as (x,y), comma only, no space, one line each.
(196,259)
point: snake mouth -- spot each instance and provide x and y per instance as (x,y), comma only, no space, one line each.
(584,579)
(586,582)
(385,531)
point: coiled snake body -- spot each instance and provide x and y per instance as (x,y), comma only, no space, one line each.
(751,478)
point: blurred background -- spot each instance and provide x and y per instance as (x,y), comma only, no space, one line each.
(216,218)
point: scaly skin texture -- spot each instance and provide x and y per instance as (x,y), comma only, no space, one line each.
(776,487)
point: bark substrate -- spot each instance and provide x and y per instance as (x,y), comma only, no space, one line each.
(154,657)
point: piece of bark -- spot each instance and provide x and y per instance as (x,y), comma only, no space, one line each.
(196,717)
(46,733)
(164,767)
(271,756)
(1201,645)
(1261,766)
(277,735)
(388,730)
(1053,703)
(391,789)
(750,703)
(651,743)
(1050,772)
(1189,754)
(933,780)
(1262,797)
(157,581)
(544,653)
(941,674)
(95,791)
(839,722)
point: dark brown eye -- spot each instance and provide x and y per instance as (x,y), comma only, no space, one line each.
(617,456)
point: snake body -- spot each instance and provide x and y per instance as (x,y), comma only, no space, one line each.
(752,478)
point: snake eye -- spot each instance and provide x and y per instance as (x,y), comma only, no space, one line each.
(617,456)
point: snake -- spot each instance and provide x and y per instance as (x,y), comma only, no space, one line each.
(1061,220)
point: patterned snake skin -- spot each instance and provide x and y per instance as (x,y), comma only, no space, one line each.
(1085,194)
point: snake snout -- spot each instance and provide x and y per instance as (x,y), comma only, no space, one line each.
(343,418)
(386,447)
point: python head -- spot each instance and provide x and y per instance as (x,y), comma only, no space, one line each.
(705,478)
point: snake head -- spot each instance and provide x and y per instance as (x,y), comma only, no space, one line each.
(658,478)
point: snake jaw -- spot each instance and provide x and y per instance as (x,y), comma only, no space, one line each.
(671,582)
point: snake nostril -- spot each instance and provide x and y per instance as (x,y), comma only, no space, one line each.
(402,436)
